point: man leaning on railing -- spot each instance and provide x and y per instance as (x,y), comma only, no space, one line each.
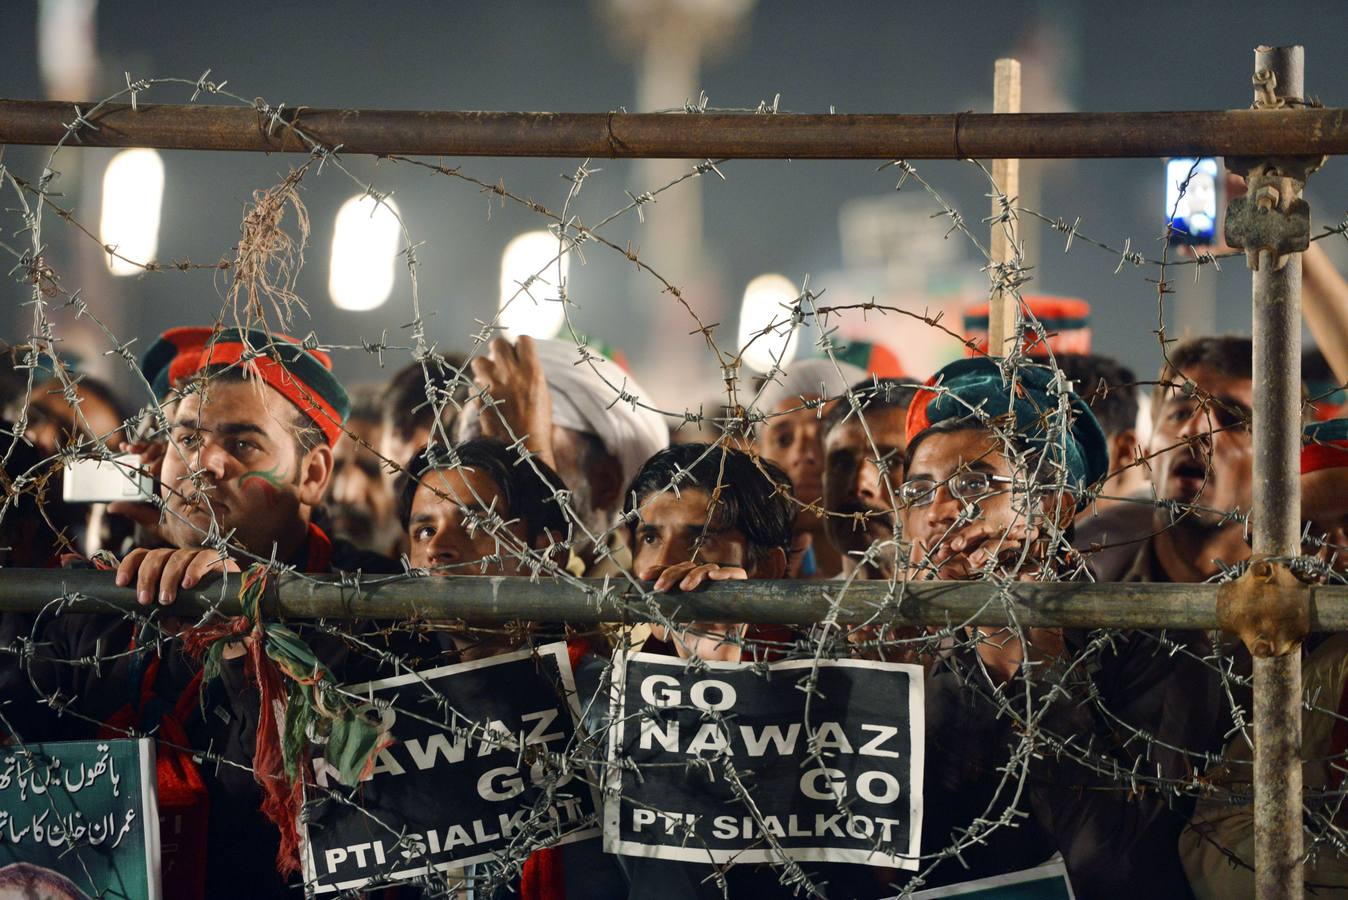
(251,420)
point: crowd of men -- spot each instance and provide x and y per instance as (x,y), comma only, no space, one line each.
(536,459)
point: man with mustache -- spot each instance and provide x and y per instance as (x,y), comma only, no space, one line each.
(1201,455)
(1218,845)
(252,418)
(996,471)
(858,496)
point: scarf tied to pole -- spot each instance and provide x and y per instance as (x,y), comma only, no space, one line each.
(298,701)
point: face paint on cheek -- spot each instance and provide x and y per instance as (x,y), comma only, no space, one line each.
(268,481)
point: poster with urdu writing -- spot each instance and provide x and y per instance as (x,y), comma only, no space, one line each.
(79,819)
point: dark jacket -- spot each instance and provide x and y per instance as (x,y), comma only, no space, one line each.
(242,842)
(1132,702)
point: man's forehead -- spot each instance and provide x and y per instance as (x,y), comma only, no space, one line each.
(462,486)
(972,448)
(1212,382)
(688,507)
(253,402)
(888,428)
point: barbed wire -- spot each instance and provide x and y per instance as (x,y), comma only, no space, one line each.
(1062,719)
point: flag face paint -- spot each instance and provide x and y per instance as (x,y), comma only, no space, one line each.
(269,481)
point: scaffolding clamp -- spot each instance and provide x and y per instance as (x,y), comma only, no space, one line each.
(1268,608)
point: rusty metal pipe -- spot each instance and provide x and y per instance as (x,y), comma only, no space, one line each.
(1276,522)
(497,600)
(690,136)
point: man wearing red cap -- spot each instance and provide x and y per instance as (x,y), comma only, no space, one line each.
(1324,489)
(251,418)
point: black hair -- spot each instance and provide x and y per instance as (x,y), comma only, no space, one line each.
(754,496)
(37,516)
(405,407)
(1107,386)
(532,499)
(1229,354)
(875,395)
(1314,367)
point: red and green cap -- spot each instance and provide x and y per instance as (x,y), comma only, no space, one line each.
(1066,320)
(1328,398)
(301,375)
(871,358)
(1324,445)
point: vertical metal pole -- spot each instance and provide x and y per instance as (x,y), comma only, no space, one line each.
(1006,177)
(1277,529)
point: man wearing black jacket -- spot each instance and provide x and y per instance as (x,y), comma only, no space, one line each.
(995,470)
(251,422)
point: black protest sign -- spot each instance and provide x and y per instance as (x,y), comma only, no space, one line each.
(714,765)
(476,768)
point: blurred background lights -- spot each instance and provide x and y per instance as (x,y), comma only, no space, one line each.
(536,311)
(133,191)
(767,299)
(364,250)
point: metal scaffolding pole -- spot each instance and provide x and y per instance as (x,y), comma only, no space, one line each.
(1246,132)
(1276,518)
(1273,144)
(490,600)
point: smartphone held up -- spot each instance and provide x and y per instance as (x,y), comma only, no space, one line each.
(106,480)
(1191,186)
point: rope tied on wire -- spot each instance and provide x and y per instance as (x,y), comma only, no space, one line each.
(297,702)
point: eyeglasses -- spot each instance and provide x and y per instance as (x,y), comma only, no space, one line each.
(966,486)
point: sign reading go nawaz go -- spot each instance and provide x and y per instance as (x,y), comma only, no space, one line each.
(705,741)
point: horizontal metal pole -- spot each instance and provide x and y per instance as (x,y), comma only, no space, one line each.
(1293,132)
(490,600)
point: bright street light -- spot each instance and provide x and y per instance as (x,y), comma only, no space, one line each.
(133,191)
(364,250)
(530,259)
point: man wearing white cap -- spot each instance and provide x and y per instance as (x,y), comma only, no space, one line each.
(585,417)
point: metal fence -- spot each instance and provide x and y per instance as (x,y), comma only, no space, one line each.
(1275,145)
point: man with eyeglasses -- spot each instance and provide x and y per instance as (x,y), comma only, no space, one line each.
(997,465)
(968,487)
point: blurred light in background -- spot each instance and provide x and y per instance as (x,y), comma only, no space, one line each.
(133,190)
(364,250)
(67,48)
(768,299)
(535,310)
